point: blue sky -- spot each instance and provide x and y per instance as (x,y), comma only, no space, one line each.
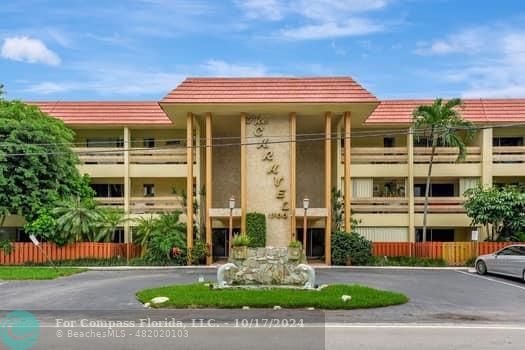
(140,49)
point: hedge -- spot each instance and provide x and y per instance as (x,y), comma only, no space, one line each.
(256,229)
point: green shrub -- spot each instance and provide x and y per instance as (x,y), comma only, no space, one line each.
(295,244)
(241,240)
(470,262)
(256,229)
(350,246)
(406,261)
(199,252)
(6,247)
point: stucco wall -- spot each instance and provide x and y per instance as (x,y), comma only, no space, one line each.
(264,187)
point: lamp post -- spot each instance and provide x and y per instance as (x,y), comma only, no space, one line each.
(306,204)
(230,232)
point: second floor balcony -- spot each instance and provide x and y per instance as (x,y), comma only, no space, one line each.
(145,205)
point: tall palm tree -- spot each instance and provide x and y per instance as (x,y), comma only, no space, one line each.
(441,123)
(112,218)
(79,218)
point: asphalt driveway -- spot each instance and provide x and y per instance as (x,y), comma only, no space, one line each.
(435,295)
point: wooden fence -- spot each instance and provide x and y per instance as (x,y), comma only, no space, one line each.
(454,253)
(28,252)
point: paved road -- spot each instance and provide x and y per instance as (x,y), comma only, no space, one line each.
(447,310)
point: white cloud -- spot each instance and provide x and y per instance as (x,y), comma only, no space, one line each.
(469,41)
(320,19)
(225,69)
(24,49)
(108,80)
(353,27)
(265,9)
(493,61)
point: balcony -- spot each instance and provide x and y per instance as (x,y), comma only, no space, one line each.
(440,204)
(108,162)
(380,205)
(144,205)
(510,154)
(446,155)
(100,155)
(378,155)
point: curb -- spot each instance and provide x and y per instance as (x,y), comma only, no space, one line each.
(319,267)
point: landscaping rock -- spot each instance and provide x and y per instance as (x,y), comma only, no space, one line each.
(346,298)
(159,300)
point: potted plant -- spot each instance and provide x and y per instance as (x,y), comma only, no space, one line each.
(240,245)
(295,250)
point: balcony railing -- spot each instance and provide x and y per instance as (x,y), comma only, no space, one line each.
(117,202)
(103,155)
(446,155)
(382,205)
(100,155)
(375,205)
(158,156)
(514,154)
(378,155)
(143,205)
(440,204)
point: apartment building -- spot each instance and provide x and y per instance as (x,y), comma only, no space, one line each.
(269,143)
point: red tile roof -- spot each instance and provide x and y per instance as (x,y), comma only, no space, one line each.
(248,90)
(475,110)
(106,113)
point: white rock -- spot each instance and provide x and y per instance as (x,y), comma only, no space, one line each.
(277,307)
(201,279)
(322,286)
(346,298)
(310,308)
(159,300)
(147,305)
(246,308)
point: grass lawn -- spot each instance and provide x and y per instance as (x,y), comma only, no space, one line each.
(200,296)
(35,273)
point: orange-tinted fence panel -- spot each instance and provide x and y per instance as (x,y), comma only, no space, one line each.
(392,248)
(491,247)
(454,253)
(28,252)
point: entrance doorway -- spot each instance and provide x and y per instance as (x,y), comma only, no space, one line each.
(314,242)
(220,241)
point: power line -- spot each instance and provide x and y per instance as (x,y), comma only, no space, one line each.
(299,139)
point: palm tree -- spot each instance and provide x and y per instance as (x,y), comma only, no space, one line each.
(79,218)
(443,125)
(112,218)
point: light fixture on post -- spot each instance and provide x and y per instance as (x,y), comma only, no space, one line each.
(306,204)
(230,232)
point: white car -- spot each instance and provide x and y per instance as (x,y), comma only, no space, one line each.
(509,261)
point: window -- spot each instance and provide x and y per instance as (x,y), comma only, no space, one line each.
(149,142)
(436,190)
(149,190)
(436,235)
(513,251)
(108,190)
(389,142)
(507,141)
(173,142)
(105,142)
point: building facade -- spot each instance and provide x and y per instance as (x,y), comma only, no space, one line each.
(272,142)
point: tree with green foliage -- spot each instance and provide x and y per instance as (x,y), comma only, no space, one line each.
(159,237)
(350,247)
(501,210)
(256,229)
(442,125)
(112,219)
(79,220)
(37,164)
